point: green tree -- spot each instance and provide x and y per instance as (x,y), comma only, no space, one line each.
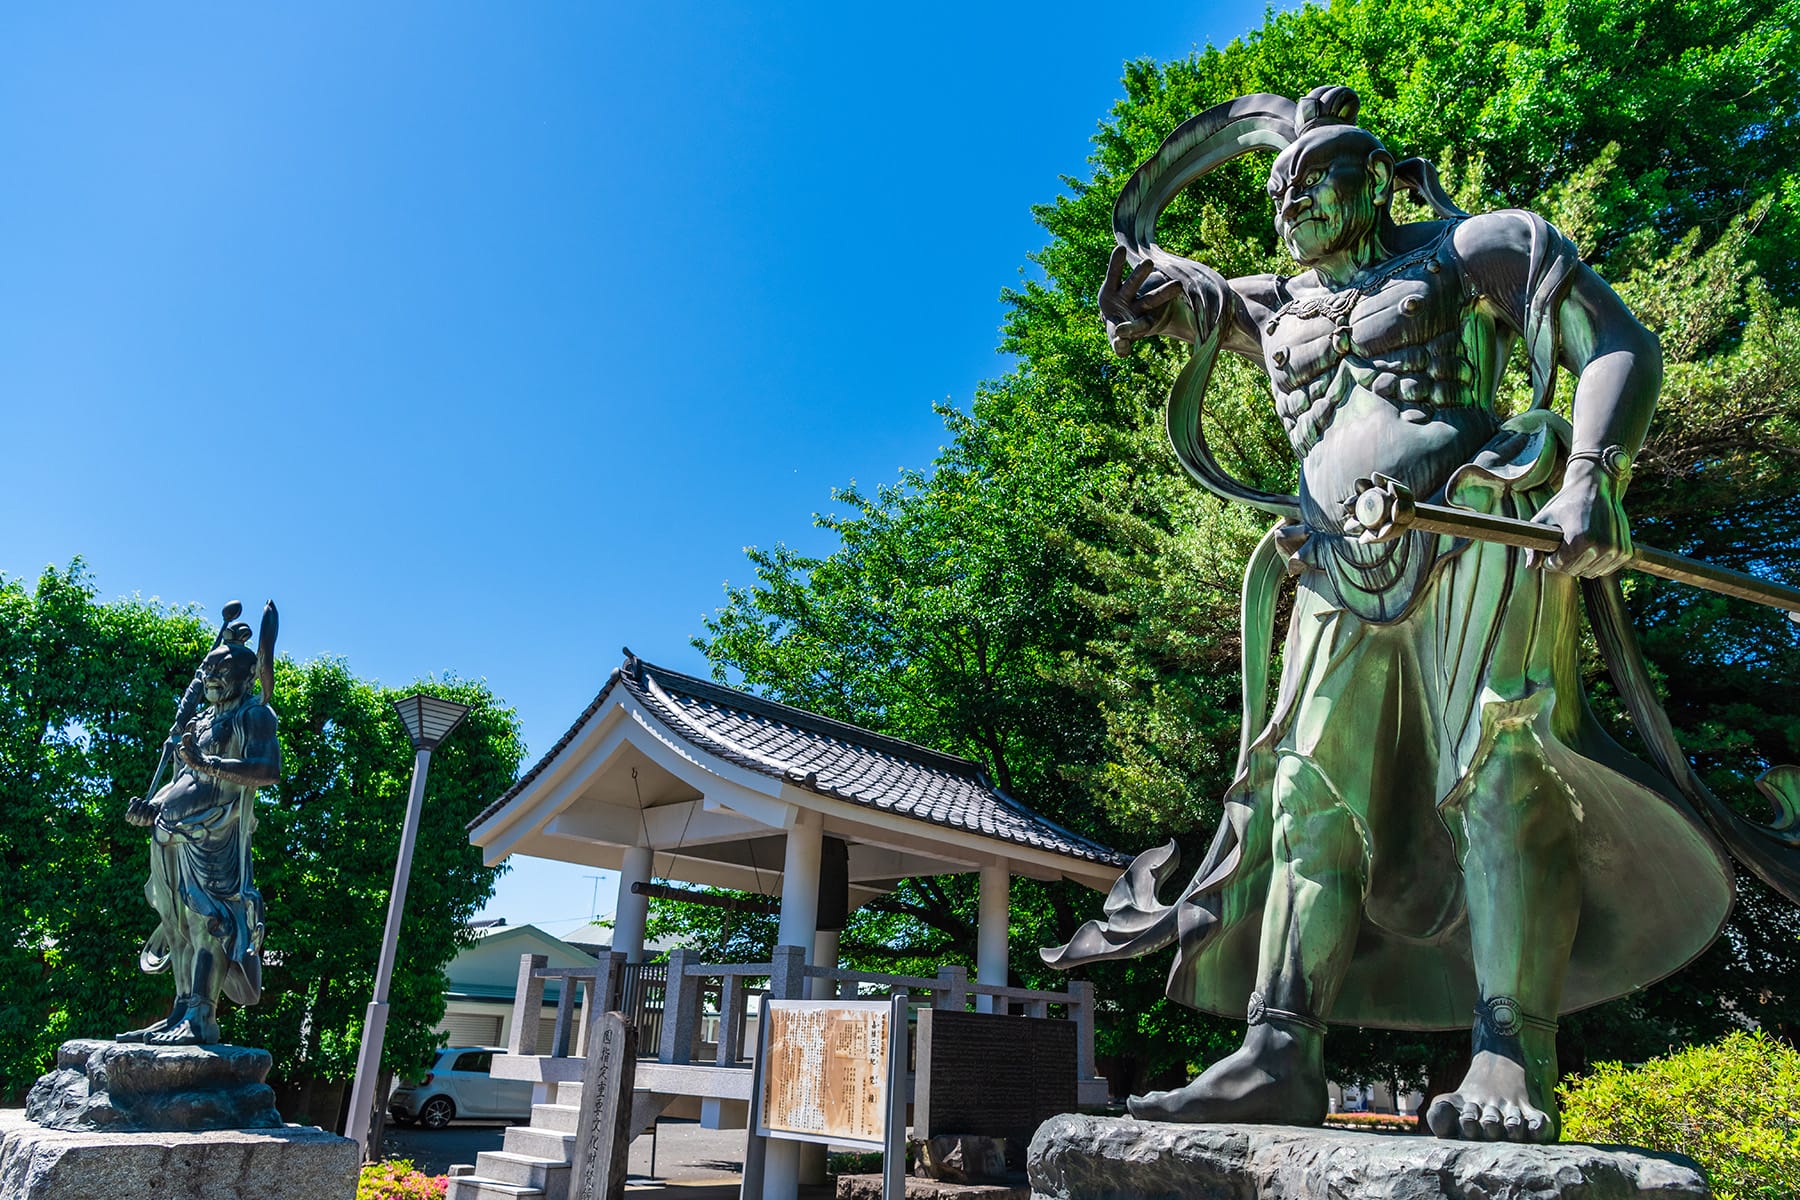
(1662,136)
(87,690)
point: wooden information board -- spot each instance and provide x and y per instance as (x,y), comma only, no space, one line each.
(833,1072)
(825,1074)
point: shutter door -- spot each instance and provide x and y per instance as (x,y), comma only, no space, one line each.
(470,1029)
(547,1033)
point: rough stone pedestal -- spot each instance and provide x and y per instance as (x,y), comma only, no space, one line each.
(129,1086)
(295,1162)
(1112,1158)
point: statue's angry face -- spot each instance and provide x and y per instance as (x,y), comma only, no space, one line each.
(1327,188)
(226,672)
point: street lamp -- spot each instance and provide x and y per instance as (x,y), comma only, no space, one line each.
(429,721)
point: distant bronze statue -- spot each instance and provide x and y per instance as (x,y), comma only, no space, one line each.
(209,914)
(1429,826)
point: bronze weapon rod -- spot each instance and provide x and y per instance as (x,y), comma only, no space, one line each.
(1508,531)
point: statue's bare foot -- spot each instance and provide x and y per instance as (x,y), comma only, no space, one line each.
(149,1031)
(1493,1103)
(1276,1077)
(189,1031)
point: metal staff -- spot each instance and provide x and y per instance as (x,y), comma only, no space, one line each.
(1386,509)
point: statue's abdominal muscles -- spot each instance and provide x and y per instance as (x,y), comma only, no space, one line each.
(1396,376)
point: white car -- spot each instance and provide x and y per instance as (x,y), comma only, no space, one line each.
(457,1084)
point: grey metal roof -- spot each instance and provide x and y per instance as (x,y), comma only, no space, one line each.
(828,757)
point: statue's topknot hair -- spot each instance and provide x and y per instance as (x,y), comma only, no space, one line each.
(1326,106)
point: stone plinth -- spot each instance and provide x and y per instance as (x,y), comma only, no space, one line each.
(1112,1158)
(868,1187)
(291,1163)
(132,1087)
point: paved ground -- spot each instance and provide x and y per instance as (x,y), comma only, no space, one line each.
(691,1163)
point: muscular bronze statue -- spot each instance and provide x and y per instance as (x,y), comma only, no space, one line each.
(209,914)
(1428,824)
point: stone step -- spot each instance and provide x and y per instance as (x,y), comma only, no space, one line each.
(561,1117)
(525,1170)
(474,1187)
(568,1093)
(539,1143)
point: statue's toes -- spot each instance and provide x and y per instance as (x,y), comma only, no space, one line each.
(1538,1126)
(1469,1120)
(1514,1120)
(1443,1116)
(1145,1107)
(1493,1123)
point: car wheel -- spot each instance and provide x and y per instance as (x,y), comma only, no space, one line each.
(437,1112)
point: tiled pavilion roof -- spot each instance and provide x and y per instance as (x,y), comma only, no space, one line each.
(828,757)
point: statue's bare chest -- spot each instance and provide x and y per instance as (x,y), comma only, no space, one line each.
(219,733)
(1400,334)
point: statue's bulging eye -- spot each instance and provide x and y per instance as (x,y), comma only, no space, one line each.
(1312,177)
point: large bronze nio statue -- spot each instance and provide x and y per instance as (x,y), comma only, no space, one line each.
(209,913)
(1428,827)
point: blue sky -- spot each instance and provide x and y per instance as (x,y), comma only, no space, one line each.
(485,337)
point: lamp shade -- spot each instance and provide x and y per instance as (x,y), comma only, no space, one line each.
(428,719)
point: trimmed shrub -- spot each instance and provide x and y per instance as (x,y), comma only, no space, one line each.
(1732,1106)
(397,1179)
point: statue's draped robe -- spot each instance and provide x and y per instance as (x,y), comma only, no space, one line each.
(199,867)
(1395,718)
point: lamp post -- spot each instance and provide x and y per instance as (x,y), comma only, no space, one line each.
(428,722)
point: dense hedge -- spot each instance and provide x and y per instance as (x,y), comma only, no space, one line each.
(1733,1105)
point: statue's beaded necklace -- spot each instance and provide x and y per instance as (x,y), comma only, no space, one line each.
(1339,306)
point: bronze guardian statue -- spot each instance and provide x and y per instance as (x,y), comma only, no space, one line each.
(1427,829)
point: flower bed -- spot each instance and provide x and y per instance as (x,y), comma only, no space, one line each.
(398,1179)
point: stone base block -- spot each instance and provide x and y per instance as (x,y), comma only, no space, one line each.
(129,1086)
(868,1187)
(1113,1158)
(296,1162)
(960,1158)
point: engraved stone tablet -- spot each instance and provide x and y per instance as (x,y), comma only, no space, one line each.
(992,1075)
(603,1131)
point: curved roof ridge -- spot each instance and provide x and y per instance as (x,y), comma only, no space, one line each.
(800,718)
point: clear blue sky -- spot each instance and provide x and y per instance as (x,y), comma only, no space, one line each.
(484,337)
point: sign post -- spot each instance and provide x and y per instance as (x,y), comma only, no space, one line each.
(603,1133)
(831,1072)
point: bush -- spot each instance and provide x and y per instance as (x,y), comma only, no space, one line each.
(397,1179)
(1732,1106)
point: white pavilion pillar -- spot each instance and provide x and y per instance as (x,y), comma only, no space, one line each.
(782,1165)
(800,884)
(825,954)
(632,911)
(990,933)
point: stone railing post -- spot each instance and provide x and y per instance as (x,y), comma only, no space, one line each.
(731,1021)
(528,1005)
(952,991)
(601,994)
(1081,1011)
(787,973)
(681,1009)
